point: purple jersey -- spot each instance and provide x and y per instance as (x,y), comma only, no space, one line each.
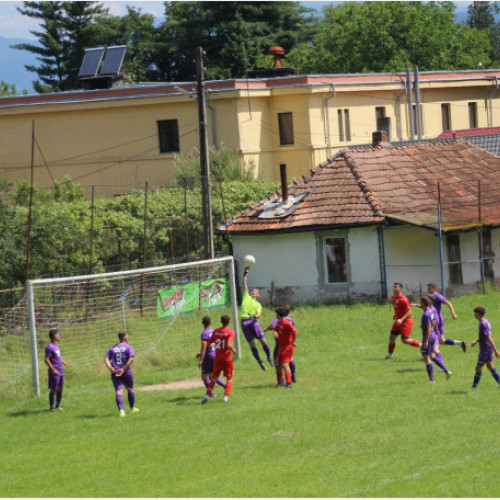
(274,322)
(53,352)
(119,354)
(484,336)
(429,317)
(205,336)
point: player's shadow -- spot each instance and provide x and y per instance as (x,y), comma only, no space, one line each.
(185,400)
(408,370)
(25,413)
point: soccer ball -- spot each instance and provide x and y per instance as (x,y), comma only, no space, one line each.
(249,260)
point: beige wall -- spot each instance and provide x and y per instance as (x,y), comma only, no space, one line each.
(113,144)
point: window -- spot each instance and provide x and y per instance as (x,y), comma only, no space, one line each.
(168,133)
(336,261)
(344,125)
(285,124)
(446,116)
(415,119)
(379,113)
(472,114)
(454,259)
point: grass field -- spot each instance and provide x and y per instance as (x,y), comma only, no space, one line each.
(354,425)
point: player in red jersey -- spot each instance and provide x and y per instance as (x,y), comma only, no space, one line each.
(287,333)
(222,340)
(403,322)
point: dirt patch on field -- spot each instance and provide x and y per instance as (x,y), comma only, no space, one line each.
(173,386)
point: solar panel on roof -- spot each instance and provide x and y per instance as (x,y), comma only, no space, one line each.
(91,61)
(113,60)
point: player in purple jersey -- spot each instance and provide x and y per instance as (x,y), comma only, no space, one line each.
(429,338)
(56,372)
(206,356)
(487,348)
(118,360)
(438,301)
(270,328)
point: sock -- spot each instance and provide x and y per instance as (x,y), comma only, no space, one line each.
(229,388)
(255,353)
(477,379)
(119,401)
(452,342)
(131,399)
(438,359)
(391,347)
(206,381)
(288,377)
(221,383)
(292,367)
(430,372)
(210,388)
(279,376)
(495,374)
(414,343)
(58,399)
(52,397)
(267,350)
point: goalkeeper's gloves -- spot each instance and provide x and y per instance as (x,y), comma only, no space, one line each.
(246,270)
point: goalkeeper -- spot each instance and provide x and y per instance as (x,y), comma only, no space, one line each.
(250,312)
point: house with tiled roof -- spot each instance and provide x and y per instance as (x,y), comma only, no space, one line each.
(367,217)
(484,137)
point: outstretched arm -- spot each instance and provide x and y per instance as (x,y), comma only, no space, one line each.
(453,313)
(245,287)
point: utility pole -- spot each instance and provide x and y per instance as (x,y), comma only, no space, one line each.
(206,196)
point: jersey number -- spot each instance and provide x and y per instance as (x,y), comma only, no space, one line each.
(220,344)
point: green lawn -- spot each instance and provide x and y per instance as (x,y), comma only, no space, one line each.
(354,425)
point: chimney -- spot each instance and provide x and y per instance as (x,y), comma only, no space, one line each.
(379,138)
(284,183)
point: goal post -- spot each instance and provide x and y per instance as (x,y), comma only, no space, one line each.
(90,307)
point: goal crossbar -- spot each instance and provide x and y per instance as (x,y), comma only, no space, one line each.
(30,297)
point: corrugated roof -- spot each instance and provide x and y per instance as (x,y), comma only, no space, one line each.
(364,186)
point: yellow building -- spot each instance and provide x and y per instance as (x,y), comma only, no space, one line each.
(117,139)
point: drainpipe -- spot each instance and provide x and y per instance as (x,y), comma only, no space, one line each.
(334,93)
(417,97)
(490,117)
(410,102)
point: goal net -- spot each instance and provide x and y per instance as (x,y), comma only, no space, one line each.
(161,308)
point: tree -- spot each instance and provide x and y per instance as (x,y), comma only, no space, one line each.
(389,36)
(482,16)
(66,29)
(233,34)
(7,89)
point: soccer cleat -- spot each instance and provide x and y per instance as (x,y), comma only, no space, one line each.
(389,356)
(52,410)
(448,375)
(464,346)
(59,408)
(294,378)
(271,362)
(262,365)
(288,386)
(122,413)
(225,399)
(432,381)
(205,400)
(280,384)
(134,410)
(212,395)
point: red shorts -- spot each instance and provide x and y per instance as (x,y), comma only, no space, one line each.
(285,355)
(404,329)
(223,366)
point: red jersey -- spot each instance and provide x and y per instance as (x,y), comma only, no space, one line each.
(286,331)
(401,305)
(222,337)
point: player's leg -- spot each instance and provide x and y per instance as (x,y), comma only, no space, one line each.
(52,384)
(405,334)
(293,369)
(259,334)
(477,375)
(213,379)
(118,385)
(392,344)
(493,371)
(52,399)
(430,369)
(229,374)
(207,367)
(439,361)
(128,380)
(248,331)
(279,369)
(59,392)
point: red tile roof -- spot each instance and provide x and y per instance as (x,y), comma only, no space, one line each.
(366,186)
(466,132)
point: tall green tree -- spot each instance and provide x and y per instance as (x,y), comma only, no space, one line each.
(233,34)
(388,36)
(7,89)
(483,16)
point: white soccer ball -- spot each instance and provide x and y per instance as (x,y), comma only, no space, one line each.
(249,260)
